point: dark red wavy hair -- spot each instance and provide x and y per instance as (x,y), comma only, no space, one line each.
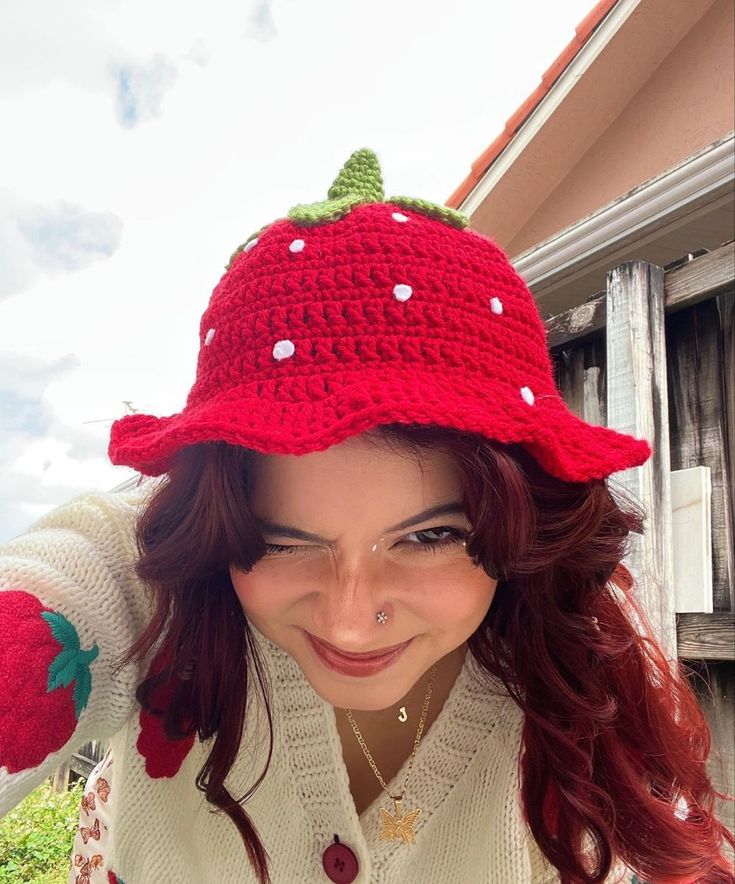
(614,749)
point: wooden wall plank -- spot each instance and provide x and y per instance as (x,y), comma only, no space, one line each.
(578,322)
(580,371)
(637,404)
(714,685)
(706,636)
(700,393)
(699,279)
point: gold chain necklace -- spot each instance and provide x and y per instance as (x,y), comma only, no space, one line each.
(400,825)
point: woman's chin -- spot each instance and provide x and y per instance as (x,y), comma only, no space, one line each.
(372,694)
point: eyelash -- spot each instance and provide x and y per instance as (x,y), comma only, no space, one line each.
(456,536)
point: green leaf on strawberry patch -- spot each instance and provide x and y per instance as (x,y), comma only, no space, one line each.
(61,629)
(71,663)
(82,689)
(62,671)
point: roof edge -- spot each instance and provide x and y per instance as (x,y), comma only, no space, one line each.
(549,78)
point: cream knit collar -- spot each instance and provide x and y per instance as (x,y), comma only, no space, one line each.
(477,709)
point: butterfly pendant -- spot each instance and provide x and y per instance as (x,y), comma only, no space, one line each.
(398,826)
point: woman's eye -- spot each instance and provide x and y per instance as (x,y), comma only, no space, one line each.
(274,549)
(454,537)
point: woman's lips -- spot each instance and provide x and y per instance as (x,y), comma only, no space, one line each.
(366,655)
(356,664)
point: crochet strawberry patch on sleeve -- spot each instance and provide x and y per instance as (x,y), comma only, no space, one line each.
(163,756)
(45,680)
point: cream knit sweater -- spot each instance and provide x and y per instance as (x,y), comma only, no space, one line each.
(77,562)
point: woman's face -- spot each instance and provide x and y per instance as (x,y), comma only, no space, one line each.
(350,497)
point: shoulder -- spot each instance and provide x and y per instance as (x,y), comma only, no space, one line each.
(103,521)
(119,506)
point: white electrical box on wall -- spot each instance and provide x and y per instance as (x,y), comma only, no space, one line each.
(691,536)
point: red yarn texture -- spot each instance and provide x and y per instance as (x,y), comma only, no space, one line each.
(34,722)
(163,757)
(467,349)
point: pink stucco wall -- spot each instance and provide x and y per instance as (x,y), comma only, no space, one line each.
(687,103)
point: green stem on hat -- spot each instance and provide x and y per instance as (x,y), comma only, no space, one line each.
(361,175)
(360,182)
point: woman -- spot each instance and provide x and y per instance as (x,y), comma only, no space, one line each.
(370,624)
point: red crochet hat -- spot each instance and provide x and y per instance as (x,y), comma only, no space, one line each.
(359,311)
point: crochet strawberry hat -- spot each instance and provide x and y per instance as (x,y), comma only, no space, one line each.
(358,311)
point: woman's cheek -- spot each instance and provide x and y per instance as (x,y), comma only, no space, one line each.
(268,588)
(463,605)
(255,594)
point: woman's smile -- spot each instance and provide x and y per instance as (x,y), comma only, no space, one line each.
(361,665)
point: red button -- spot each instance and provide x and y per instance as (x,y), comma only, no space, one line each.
(340,863)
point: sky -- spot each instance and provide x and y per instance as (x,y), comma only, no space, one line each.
(142,142)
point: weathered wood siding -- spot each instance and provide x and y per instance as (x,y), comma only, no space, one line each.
(701,369)
(699,347)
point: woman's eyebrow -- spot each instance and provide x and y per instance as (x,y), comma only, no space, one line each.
(441,509)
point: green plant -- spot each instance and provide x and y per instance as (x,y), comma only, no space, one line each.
(36,837)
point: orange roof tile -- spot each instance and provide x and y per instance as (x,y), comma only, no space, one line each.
(581,34)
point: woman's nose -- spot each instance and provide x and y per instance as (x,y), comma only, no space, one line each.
(345,610)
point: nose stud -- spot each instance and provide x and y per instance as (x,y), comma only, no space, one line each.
(381,617)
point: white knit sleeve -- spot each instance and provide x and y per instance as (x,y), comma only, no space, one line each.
(70,604)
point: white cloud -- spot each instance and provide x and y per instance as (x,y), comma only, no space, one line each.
(140,89)
(27,378)
(17,269)
(43,459)
(66,237)
(79,45)
(53,237)
(261,24)
(46,41)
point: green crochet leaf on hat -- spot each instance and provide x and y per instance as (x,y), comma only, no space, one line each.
(329,210)
(241,247)
(433,210)
(359,182)
(360,174)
